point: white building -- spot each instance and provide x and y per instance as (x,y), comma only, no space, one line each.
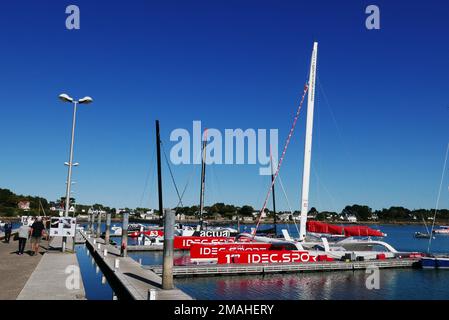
(24,205)
(351,219)
(256,214)
(284,217)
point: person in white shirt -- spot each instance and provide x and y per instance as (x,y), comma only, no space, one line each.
(24,234)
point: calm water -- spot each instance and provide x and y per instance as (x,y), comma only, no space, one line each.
(96,287)
(394,284)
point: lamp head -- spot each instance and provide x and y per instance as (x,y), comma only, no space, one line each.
(85,100)
(65,97)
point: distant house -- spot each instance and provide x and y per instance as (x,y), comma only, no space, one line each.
(180,216)
(256,214)
(24,205)
(373,217)
(248,219)
(351,219)
(284,217)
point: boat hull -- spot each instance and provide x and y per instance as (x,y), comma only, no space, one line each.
(420,235)
(435,262)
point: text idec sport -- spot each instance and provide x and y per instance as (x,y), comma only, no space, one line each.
(203,251)
(186,242)
(269,256)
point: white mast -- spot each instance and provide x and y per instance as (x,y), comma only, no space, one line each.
(308,144)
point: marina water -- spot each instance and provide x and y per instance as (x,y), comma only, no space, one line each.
(394,283)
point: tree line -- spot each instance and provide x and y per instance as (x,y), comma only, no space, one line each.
(9,207)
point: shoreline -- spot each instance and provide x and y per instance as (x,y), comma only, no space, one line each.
(268,221)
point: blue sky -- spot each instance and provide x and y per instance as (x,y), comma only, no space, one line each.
(381,117)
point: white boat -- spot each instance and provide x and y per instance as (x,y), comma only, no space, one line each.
(442,230)
(145,240)
(337,248)
(117,231)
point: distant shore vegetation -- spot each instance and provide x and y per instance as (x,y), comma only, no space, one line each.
(13,205)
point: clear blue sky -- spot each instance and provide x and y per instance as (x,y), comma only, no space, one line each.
(380,136)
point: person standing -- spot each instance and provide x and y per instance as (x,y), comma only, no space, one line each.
(24,234)
(8,230)
(37,231)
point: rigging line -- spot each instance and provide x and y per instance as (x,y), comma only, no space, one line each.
(425,224)
(438,198)
(292,129)
(334,120)
(189,179)
(171,174)
(147,179)
(288,202)
(185,187)
(324,187)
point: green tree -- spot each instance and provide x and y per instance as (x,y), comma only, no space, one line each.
(246,211)
(360,212)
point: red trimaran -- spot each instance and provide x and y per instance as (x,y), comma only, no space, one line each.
(320,243)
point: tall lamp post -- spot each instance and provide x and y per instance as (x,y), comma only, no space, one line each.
(66,98)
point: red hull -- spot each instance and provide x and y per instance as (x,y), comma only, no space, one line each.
(268,256)
(186,242)
(210,251)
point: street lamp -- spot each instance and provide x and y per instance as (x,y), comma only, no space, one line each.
(66,98)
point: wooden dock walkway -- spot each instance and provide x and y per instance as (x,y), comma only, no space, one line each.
(136,280)
(241,269)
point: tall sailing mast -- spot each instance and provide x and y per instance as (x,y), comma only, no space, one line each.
(159,173)
(203,179)
(274,196)
(308,144)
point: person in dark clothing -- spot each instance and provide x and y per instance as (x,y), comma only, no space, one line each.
(37,231)
(8,230)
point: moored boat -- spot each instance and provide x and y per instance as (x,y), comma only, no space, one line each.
(422,235)
(435,262)
(442,230)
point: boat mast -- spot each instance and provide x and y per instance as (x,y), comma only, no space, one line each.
(274,197)
(159,172)
(203,180)
(308,144)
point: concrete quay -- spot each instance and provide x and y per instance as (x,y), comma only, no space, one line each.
(15,270)
(56,277)
(40,277)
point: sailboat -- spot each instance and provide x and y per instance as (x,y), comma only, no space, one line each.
(433,261)
(357,240)
(202,229)
(185,236)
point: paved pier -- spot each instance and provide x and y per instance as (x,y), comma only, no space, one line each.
(136,280)
(14,269)
(49,281)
